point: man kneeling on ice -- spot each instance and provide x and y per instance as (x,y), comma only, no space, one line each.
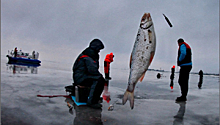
(86,73)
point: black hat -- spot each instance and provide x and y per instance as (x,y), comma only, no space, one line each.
(180,40)
(96,44)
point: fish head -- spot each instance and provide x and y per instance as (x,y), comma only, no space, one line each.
(146,21)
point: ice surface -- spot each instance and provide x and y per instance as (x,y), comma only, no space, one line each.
(154,100)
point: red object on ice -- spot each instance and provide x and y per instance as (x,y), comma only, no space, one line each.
(173,66)
(171,87)
(106,98)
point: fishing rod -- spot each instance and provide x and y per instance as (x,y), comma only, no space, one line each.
(51,96)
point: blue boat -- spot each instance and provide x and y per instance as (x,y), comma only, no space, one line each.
(24,58)
(19,60)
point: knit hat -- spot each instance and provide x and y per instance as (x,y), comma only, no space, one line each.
(96,44)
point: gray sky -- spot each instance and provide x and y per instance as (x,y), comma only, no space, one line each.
(60,29)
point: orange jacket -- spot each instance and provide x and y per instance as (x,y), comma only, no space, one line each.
(108,60)
(109,57)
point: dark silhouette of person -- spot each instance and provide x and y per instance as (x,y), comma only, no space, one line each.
(158,75)
(15,52)
(172,76)
(33,54)
(200,79)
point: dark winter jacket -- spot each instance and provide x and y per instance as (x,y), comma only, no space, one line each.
(184,55)
(87,63)
(200,76)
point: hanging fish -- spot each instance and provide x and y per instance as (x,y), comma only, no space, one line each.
(141,56)
(168,21)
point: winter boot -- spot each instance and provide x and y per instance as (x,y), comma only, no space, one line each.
(181,99)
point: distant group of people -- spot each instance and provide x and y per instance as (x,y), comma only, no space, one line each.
(34,55)
(86,73)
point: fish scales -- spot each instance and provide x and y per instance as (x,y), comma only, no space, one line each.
(141,56)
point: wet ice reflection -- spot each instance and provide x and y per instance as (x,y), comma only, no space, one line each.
(22,68)
(84,115)
(178,118)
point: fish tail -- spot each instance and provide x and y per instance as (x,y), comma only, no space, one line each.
(128,96)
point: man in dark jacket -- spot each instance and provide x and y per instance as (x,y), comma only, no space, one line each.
(86,73)
(184,60)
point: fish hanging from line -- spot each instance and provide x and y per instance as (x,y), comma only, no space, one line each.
(168,21)
(141,56)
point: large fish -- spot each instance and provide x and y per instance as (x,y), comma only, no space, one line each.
(141,56)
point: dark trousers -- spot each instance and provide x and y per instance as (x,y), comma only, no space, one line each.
(15,54)
(96,88)
(184,79)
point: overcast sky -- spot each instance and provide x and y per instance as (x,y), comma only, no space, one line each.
(60,29)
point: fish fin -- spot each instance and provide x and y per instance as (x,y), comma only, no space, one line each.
(130,61)
(151,57)
(125,97)
(142,77)
(128,96)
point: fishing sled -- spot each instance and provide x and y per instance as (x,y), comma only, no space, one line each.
(79,94)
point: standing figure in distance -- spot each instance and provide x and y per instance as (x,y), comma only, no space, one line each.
(200,79)
(184,60)
(33,54)
(15,52)
(172,76)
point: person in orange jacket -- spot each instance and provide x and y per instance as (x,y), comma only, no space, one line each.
(108,60)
